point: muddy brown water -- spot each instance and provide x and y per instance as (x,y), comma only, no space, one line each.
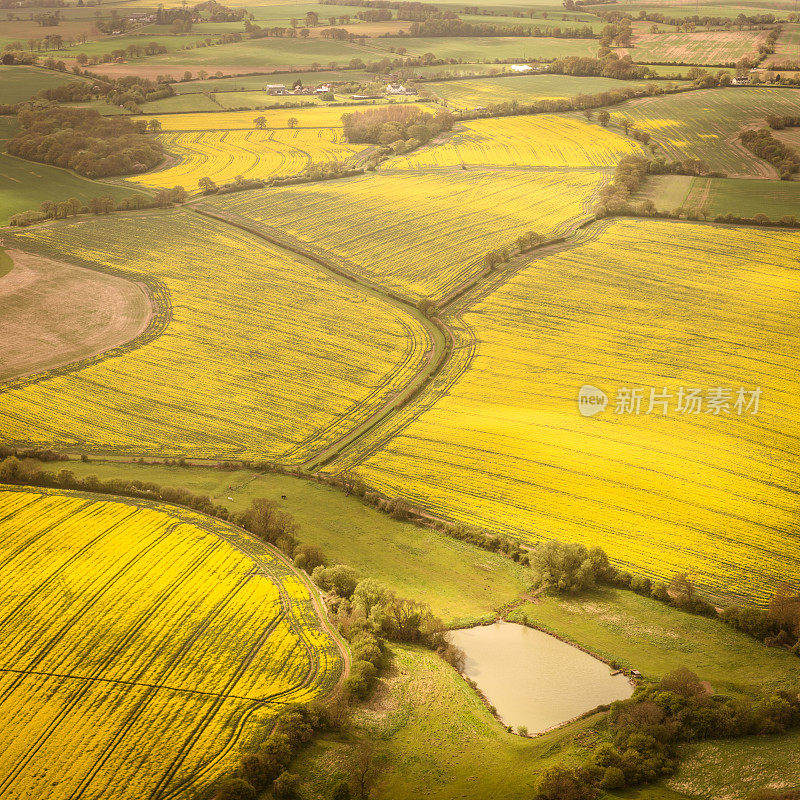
(534,679)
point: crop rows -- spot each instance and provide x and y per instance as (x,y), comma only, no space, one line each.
(705,124)
(139,646)
(713,47)
(224,155)
(543,140)
(644,304)
(437,230)
(465,94)
(265,355)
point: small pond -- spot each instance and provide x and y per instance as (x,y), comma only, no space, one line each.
(534,679)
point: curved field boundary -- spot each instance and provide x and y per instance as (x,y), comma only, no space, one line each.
(57,313)
(160,318)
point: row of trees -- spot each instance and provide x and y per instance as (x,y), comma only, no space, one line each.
(83,140)
(435,26)
(766,146)
(96,205)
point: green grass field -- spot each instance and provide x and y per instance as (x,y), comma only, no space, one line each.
(470,48)
(181,102)
(719,196)
(108,44)
(739,766)
(265,53)
(655,639)
(566,19)
(458,581)
(18,83)
(25,184)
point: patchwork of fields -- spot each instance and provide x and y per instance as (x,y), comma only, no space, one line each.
(506,448)
(142,645)
(437,234)
(224,155)
(287,377)
(543,140)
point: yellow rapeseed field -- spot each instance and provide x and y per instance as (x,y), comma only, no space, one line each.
(542,140)
(644,305)
(142,646)
(420,234)
(224,155)
(265,355)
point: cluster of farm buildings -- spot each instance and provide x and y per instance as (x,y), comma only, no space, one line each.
(391,90)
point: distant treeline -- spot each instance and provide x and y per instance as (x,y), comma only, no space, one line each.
(85,141)
(104,204)
(408,12)
(456,27)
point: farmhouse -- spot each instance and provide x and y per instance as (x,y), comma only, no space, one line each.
(741,80)
(398,88)
(275,88)
(521,68)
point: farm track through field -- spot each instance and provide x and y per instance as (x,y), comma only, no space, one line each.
(439,327)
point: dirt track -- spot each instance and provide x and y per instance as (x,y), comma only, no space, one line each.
(55,313)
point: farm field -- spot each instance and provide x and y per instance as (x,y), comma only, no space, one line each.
(56,313)
(143,646)
(739,767)
(256,83)
(25,184)
(713,47)
(787,48)
(649,636)
(181,103)
(466,94)
(719,196)
(286,350)
(313,117)
(223,155)
(541,140)
(704,124)
(263,53)
(18,83)
(468,48)
(460,583)
(619,480)
(436,238)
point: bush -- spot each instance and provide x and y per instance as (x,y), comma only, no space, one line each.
(613,778)
(570,567)
(339,579)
